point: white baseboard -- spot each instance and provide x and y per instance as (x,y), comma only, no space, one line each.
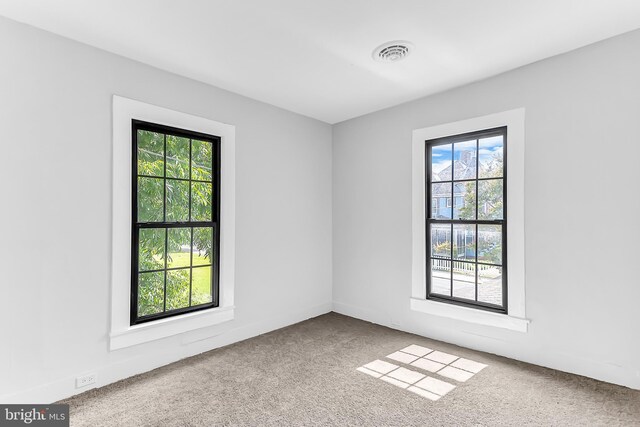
(564,362)
(203,340)
(193,343)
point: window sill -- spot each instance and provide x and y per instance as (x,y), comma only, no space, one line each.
(163,328)
(471,315)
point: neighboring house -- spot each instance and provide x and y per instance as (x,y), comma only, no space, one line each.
(442,202)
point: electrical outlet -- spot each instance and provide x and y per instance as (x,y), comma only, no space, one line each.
(85,380)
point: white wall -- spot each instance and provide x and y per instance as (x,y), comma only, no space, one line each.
(582,168)
(55,214)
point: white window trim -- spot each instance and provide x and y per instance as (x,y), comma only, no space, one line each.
(515,319)
(122,333)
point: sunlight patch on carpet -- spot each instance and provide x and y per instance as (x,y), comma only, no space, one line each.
(446,365)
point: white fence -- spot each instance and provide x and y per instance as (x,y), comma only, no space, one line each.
(459,267)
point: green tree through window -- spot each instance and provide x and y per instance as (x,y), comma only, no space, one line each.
(175,222)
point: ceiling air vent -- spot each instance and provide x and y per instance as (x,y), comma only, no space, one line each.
(392,51)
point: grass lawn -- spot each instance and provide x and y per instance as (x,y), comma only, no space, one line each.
(152,285)
(201,283)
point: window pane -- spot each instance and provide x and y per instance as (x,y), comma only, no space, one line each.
(467,187)
(174,185)
(201,160)
(441,163)
(464,160)
(491,157)
(464,280)
(201,201)
(490,199)
(150,293)
(441,240)
(490,284)
(150,153)
(201,291)
(202,245)
(464,196)
(150,195)
(441,277)
(151,254)
(490,244)
(177,200)
(178,288)
(441,200)
(464,242)
(177,157)
(179,247)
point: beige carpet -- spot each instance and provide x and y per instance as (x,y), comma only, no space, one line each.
(306,374)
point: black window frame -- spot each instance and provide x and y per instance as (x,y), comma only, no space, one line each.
(136,226)
(429,220)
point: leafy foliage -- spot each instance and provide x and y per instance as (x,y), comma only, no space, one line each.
(202,245)
(201,201)
(468,209)
(490,199)
(178,241)
(172,246)
(150,153)
(442,249)
(177,157)
(490,244)
(151,249)
(177,200)
(201,154)
(150,293)
(178,289)
(490,192)
(150,193)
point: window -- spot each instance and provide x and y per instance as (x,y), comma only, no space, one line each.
(466,242)
(175,221)
(128,114)
(449,303)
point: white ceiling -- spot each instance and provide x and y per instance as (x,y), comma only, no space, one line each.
(314,56)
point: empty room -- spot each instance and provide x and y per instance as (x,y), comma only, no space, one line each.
(319,213)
